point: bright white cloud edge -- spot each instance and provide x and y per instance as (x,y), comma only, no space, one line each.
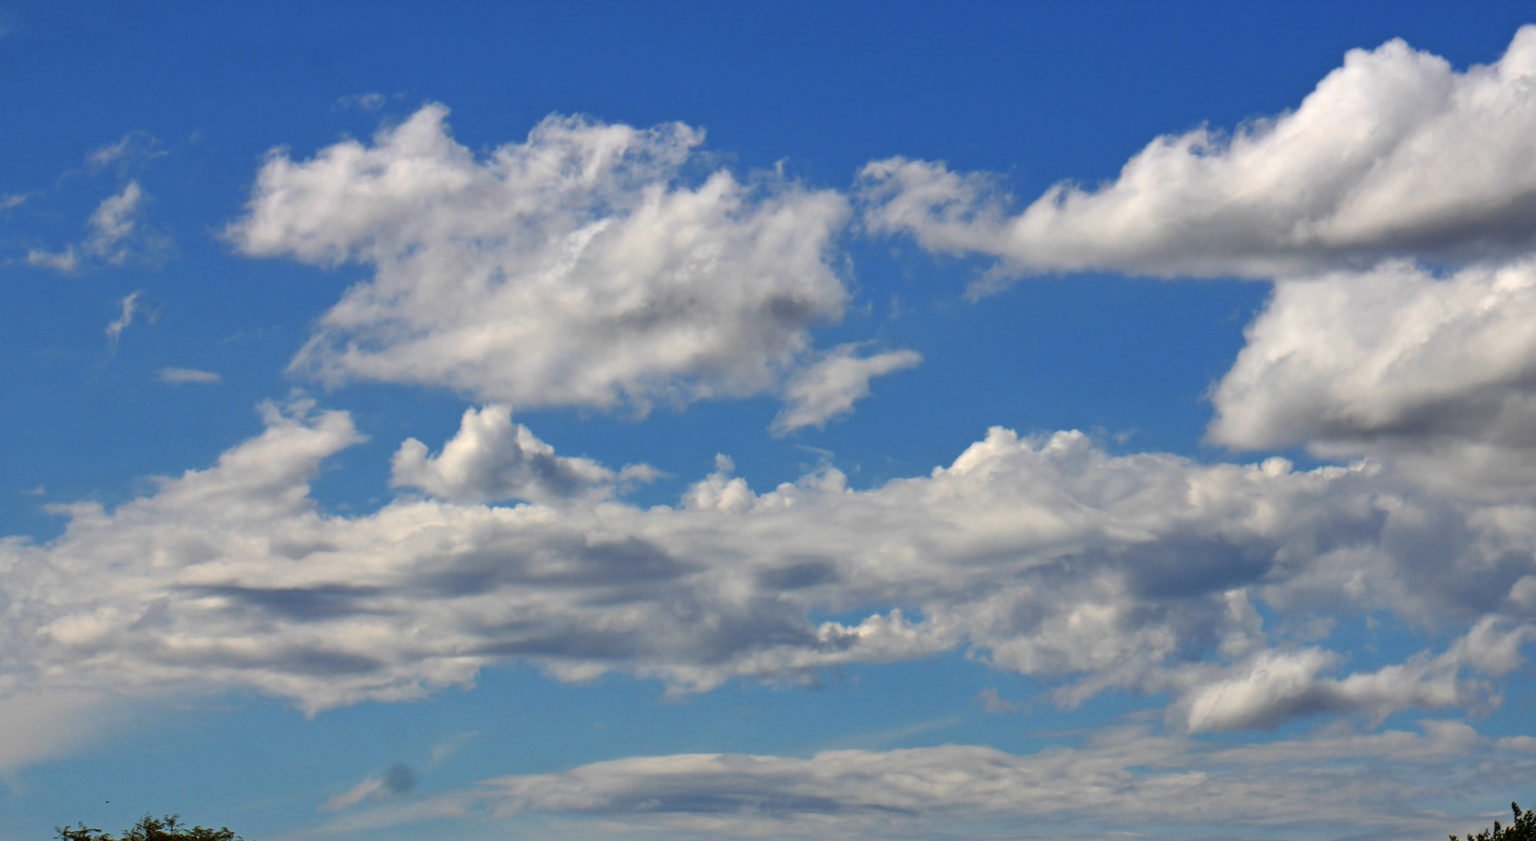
(1395,154)
(580,267)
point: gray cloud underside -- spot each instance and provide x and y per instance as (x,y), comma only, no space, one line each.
(1395,784)
(1430,374)
(1043,556)
(1394,154)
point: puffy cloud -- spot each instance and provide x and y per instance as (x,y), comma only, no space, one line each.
(1047,556)
(829,387)
(492,458)
(1430,373)
(1278,686)
(579,267)
(1122,781)
(1393,154)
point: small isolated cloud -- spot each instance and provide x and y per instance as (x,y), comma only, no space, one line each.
(66,261)
(579,267)
(1393,154)
(491,458)
(371,101)
(133,148)
(10,200)
(399,780)
(183,376)
(830,386)
(993,702)
(115,234)
(133,308)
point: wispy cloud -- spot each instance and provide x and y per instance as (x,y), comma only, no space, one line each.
(398,780)
(133,148)
(115,234)
(182,376)
(133,308)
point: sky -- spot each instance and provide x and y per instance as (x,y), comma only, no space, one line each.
(796,420)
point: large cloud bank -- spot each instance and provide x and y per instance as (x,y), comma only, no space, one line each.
(1047,556)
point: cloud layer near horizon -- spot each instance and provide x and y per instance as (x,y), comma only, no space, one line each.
(1124,780)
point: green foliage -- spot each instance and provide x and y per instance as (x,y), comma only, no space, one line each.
(1523,829)
(149,828)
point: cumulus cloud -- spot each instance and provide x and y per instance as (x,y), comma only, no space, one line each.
(491,458)
(830,386)
(1279,686)
(580,267)
(1044,556)
(1429,373)
(1396,784)
(183,376)
(1394,154)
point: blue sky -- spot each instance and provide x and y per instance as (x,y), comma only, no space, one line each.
(803,421)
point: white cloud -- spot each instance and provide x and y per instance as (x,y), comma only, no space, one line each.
(1431,374)
(66,261)
(133,308)
(10,200)
(369,789)
(830,386)
(371,101)
(492,459)
(116,235)
(1121,782)
(1393,154)
(135,147)
(1047,556)
(398,780)
(580,267)
(995,703)
(182,376)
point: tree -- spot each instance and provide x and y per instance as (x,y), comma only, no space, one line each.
(1523,829)
(150,828)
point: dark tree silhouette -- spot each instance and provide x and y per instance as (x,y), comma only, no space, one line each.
(149,828)
(1523,829)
